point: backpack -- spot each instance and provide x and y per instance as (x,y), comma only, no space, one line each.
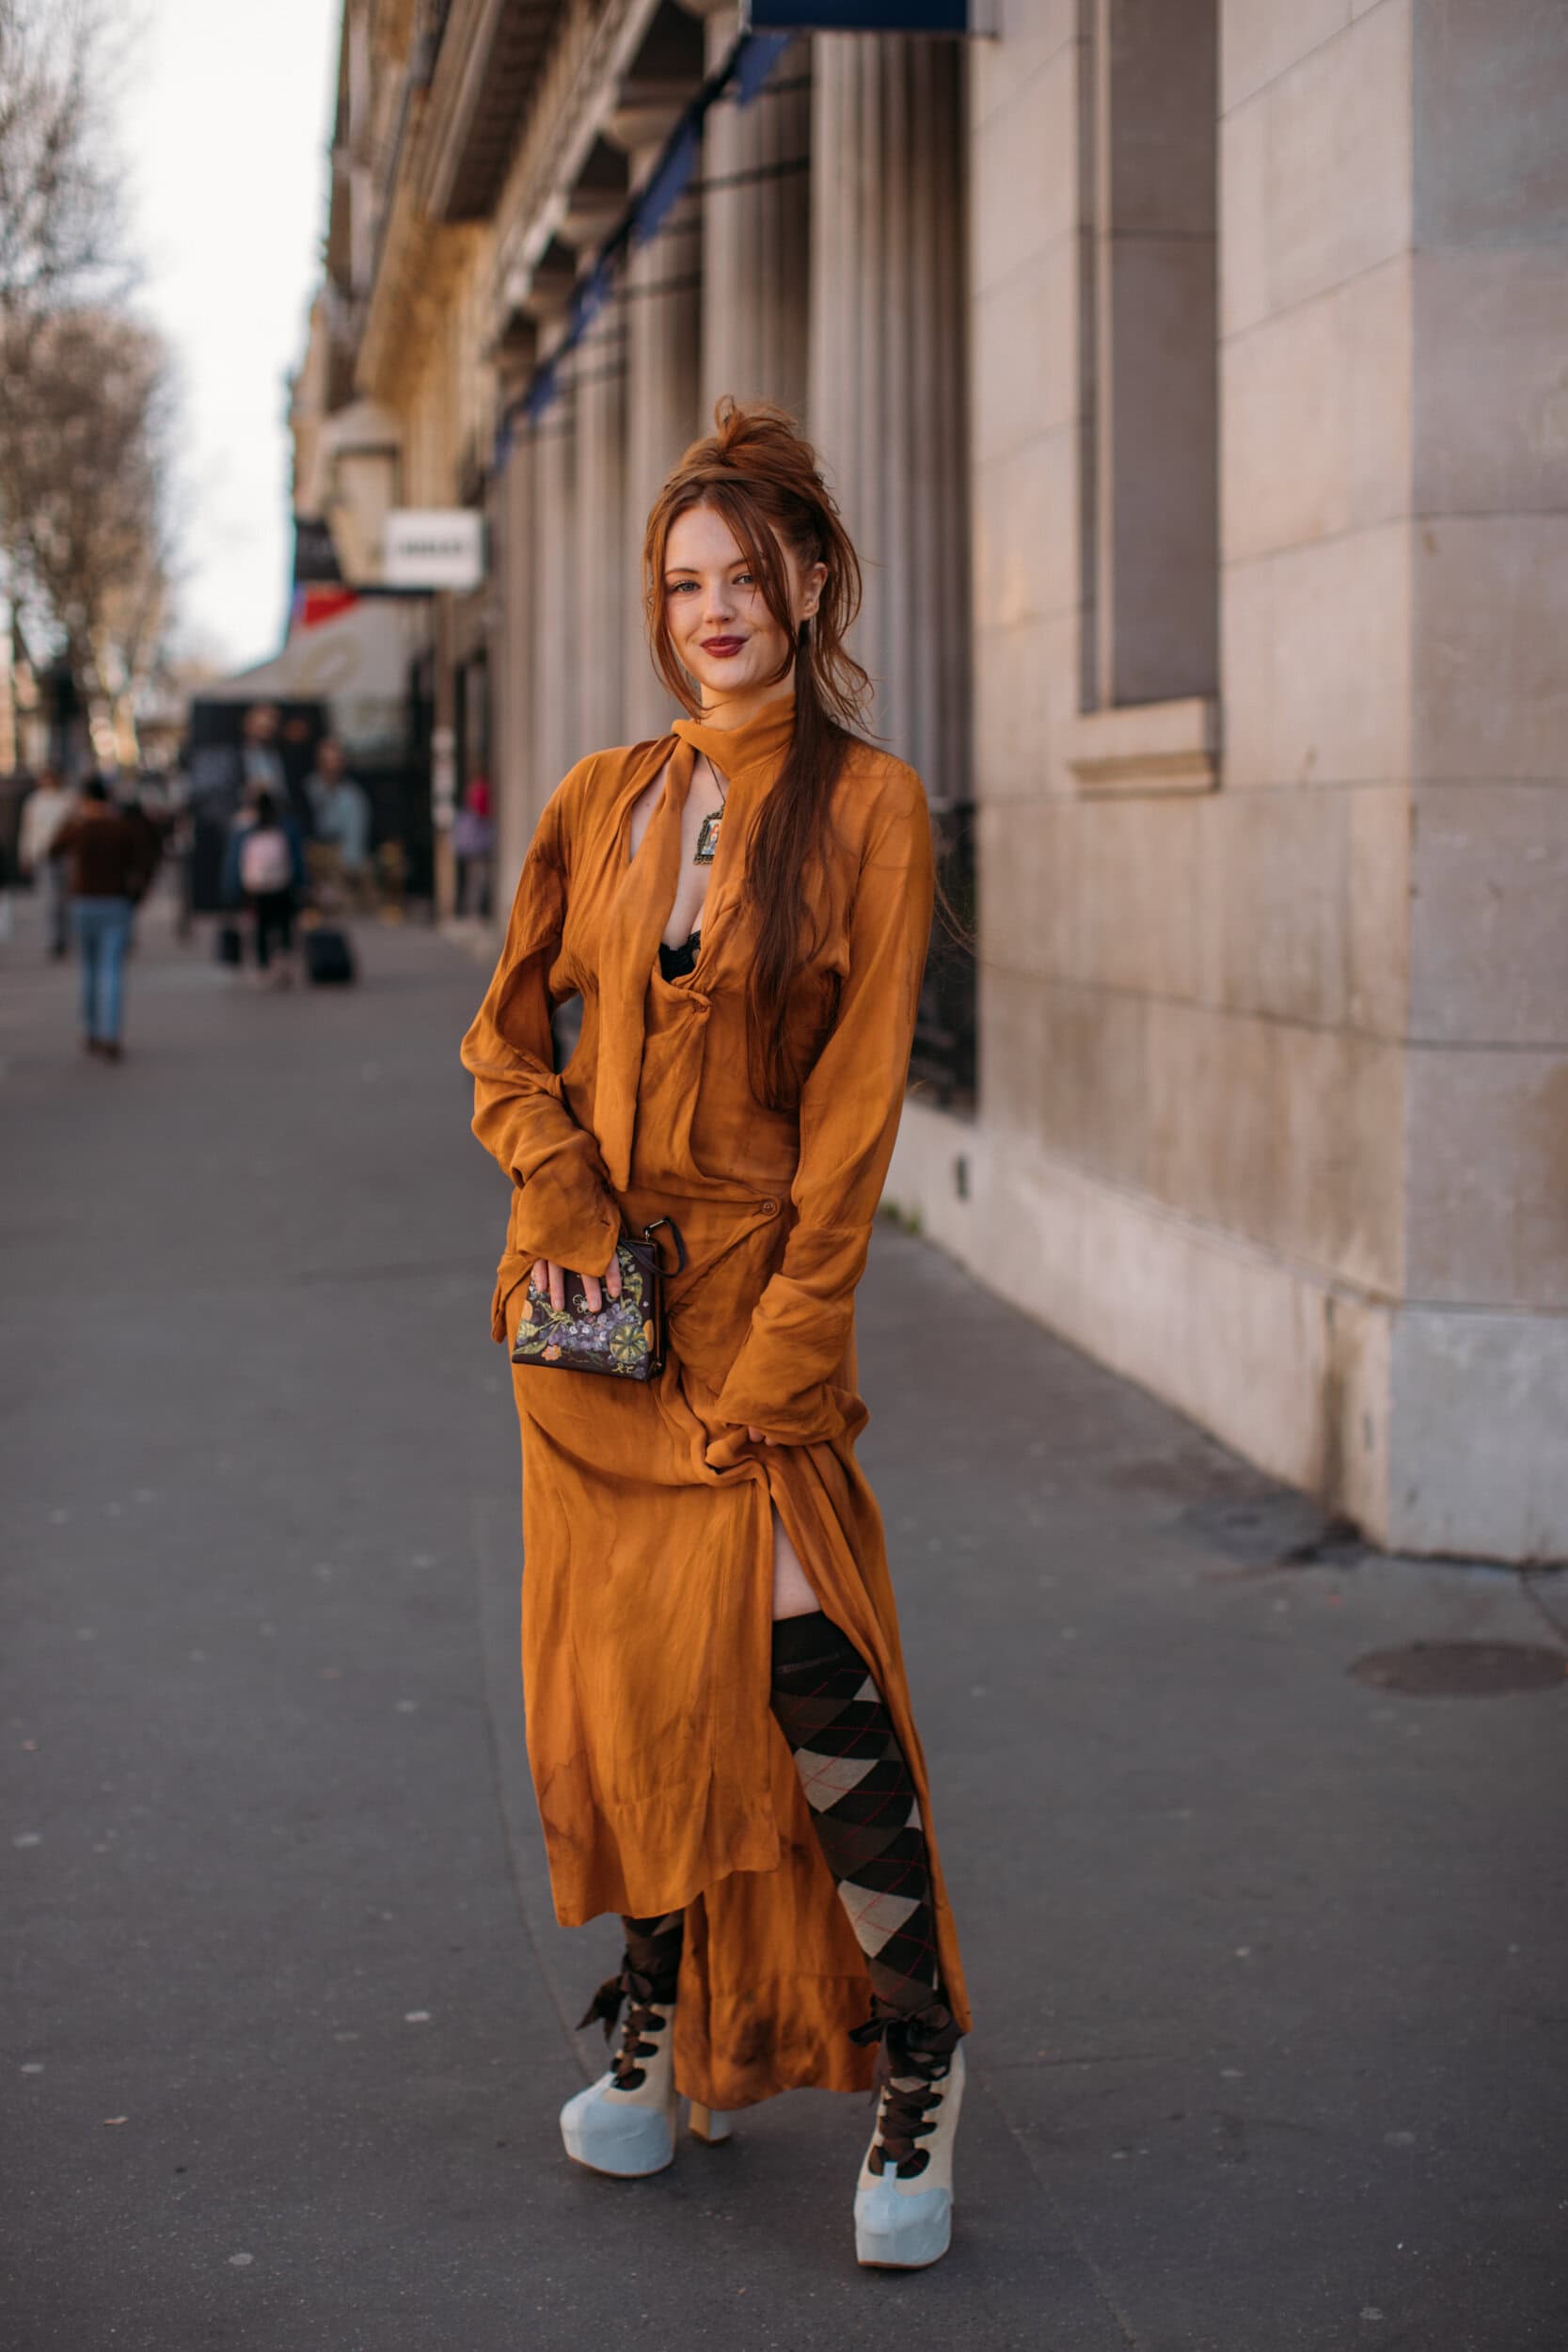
(265,863)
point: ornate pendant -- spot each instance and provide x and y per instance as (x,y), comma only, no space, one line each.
(708,837)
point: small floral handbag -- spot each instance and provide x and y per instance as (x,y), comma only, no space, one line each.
(627,1337)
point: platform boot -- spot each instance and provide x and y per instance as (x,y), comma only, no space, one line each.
(624,2124)
(904,2196)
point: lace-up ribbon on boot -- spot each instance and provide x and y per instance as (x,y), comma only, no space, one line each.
(624,2124)
(647,2018)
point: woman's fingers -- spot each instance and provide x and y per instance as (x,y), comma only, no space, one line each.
(757,1439)
(548,1277)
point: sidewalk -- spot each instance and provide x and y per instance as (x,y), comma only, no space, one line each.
(1267,1963)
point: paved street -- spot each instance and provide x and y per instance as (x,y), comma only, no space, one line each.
(1267,1962)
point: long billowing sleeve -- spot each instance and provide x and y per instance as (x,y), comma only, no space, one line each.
(562,1210)
(781,1380)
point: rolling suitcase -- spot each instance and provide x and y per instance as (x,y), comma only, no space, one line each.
(328,958)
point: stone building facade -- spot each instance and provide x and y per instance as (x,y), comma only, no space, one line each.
(1192,376)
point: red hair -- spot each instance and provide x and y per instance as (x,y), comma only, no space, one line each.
(760,474)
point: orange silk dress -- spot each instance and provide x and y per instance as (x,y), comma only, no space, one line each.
(662,1780)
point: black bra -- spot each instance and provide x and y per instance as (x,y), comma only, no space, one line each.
(675,962)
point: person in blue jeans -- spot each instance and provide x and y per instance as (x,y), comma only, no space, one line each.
(106,869)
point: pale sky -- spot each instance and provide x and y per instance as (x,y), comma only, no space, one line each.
(223,124)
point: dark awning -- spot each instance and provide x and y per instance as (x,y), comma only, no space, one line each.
(866,16)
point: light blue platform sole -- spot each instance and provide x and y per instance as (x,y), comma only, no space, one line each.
(628,2142)
(901,2229)
(614,2136)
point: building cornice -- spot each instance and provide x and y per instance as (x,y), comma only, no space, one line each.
(486,74)
(577,91)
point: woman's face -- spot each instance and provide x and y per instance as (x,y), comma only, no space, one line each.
(721,630)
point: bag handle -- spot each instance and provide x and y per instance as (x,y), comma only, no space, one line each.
(648,1232)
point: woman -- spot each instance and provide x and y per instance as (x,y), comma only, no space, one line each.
(743,907)
(266,867)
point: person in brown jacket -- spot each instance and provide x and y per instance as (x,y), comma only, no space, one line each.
(106,871)
(719,1721)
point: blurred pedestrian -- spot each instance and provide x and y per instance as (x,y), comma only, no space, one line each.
(266,870)
(340,812)
(260,761)
(106,871)
(474,841)
(43,815)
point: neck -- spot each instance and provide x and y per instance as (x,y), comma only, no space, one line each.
(729,712)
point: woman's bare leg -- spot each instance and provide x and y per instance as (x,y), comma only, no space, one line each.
(792,1595)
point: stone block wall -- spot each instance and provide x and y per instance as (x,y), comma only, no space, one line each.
(1248,648)
(1274,1101)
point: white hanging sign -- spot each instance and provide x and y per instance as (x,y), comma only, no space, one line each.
(434,546)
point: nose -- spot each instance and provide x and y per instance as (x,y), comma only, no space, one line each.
(717,602)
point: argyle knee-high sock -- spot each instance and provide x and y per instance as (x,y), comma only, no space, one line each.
(864,1805)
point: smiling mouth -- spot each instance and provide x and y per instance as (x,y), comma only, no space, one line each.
(722,644)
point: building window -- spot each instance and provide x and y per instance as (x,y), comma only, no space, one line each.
(1149,312)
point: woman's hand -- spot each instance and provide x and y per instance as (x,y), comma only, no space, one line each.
(757,1439)
(547,1276)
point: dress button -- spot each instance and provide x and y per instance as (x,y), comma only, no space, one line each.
(770,1208)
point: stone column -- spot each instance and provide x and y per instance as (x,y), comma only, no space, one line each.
(888,336)
(512,670)
(557,734)
(756,234)
(663,318)
(603,587)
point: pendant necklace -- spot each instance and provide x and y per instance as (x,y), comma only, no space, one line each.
(708,832)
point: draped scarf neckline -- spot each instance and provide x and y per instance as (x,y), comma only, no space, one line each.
(760,740)
(748,758)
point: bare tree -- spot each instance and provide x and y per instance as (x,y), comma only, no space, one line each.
(82,468)
(83,538)
(57,179)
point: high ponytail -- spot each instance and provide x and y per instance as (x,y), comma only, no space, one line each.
(760,474)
